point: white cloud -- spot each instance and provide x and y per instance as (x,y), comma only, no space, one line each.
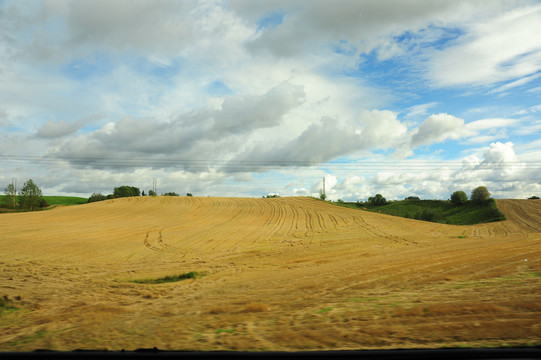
(515,83)
(437,128)
(493,50)
(420,110)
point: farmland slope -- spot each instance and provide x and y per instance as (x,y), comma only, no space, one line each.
(282,274)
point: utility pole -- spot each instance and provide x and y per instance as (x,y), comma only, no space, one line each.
(154,185)
(324,187)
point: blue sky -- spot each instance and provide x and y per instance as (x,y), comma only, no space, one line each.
(249,98)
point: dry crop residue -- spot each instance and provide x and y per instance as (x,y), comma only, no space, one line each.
(281,274)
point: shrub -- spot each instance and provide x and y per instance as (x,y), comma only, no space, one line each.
(43,203)
(459,198)
(429,215)
(533,198)
(96,197)
(480,195)
(412,198)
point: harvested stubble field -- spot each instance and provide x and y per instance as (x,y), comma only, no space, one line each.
(281,274)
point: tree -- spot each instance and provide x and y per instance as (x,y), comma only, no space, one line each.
(11,196)
(480,194)
(322,195)
(377,200)
(126,191)
(534,198)
(31,196)
(459,197)
(151,193)
(189,194)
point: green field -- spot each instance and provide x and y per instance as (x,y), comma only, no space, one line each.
(441,211)
(55,200)
(65,200)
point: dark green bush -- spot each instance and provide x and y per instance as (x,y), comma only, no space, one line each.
(126,191)
(459,198)
(170,194)
(479,195)
(96,197)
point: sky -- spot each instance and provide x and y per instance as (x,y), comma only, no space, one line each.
(250,98)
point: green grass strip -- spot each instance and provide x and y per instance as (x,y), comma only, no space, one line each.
(169,279)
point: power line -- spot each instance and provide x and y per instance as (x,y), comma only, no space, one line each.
(255,165)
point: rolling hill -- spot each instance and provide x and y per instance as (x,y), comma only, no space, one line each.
(276,274)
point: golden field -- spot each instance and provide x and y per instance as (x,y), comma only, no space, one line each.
(282,274)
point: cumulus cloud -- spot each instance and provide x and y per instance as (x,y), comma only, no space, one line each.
(437,128)
(198,135)
(328,139)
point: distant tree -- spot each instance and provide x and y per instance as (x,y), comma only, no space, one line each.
(459,197)
(322,195)
(412,198)
(170,194)
(534,197)
(30,196)
(143,193)
(96,197)
(340,201)
(189,194)
(151,193)
(110,196)
(11,196)
(480,195)
(126,191)
(269,196)
(377,200)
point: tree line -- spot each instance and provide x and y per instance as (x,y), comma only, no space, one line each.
(127,191)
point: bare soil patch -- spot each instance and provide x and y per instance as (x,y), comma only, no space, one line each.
(281,274)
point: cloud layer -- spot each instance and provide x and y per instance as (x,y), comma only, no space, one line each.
(244,98)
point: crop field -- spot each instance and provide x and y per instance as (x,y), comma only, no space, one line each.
(280,274)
